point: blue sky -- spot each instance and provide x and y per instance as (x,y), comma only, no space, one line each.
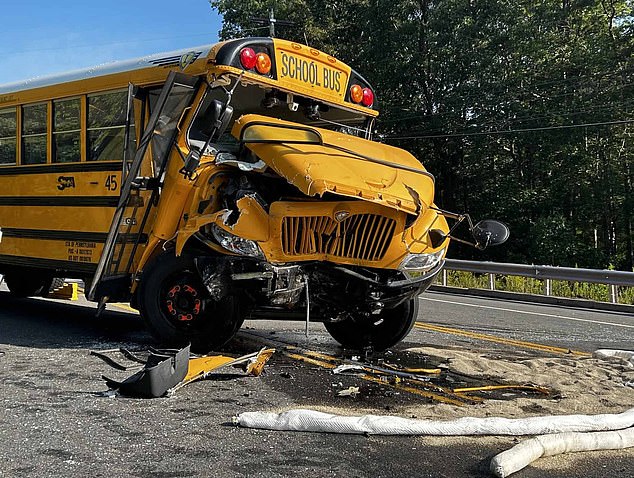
(40,37)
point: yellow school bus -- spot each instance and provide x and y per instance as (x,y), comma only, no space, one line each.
(215,184)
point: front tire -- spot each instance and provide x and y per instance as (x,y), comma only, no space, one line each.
(379,331)
(178,310)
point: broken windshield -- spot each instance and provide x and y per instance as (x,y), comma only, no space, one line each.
(253,99)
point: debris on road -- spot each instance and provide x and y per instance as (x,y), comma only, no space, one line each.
(349,392)
(437,384)
(163,370)
(166,371)
(202,367)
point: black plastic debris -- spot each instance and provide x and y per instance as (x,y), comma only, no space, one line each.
(163,370)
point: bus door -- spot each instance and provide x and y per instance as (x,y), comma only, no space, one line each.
(130,224)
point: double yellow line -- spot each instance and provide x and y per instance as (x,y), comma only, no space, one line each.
(420,387)
(500,340)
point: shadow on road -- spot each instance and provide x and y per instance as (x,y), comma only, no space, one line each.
(48,324)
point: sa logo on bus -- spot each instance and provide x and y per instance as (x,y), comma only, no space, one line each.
(65,182)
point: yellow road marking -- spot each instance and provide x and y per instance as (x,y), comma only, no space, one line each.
(416,391)
(313,361)
(307,357)
(500,340)
(485,388)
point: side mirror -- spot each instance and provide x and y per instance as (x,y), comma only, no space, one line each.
(217,118)
(223,121)
(489,233)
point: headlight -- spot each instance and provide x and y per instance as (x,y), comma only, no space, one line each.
(236,244)
(421,263)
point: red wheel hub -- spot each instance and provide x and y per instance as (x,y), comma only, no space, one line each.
(182,302)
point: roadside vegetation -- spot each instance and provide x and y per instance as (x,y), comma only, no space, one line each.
(527,285)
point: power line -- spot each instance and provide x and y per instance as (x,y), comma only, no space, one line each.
(525,130)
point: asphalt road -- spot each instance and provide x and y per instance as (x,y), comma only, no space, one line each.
(574,328)
(53,421)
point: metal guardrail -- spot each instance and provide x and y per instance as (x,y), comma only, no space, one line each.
(545,273)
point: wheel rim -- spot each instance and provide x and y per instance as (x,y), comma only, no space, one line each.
(181,300)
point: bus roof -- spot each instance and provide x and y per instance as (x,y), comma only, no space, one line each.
(158,60)
(295,68)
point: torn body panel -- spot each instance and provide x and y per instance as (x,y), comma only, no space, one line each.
(355,167)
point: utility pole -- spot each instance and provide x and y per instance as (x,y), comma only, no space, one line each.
(271,21)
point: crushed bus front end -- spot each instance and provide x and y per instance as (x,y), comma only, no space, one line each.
(303,221)
(285,208)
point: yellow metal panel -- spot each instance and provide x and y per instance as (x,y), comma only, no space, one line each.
(58,218)
(86,252)
(316,169)
(59,184)
(253,222)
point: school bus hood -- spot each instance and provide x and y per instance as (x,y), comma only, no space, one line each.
(342,164)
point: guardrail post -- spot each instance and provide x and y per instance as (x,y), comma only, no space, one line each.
(614,294)
(491,281)
(548,287)
(444,277)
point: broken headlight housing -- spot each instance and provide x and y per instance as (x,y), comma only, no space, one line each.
(416,264)
(236,244)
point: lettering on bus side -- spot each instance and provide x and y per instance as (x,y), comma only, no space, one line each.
(80,251)
(297,68)
(7,99)
(65,182)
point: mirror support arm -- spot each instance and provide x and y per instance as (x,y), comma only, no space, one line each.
(460,218)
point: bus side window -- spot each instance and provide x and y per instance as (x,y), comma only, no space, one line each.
(66,131)
(34,133)
(106,126)
(8,135)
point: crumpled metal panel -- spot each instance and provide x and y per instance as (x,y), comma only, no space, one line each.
(319,169)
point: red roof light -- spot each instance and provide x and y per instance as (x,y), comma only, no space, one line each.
(368,97)
(248,58)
